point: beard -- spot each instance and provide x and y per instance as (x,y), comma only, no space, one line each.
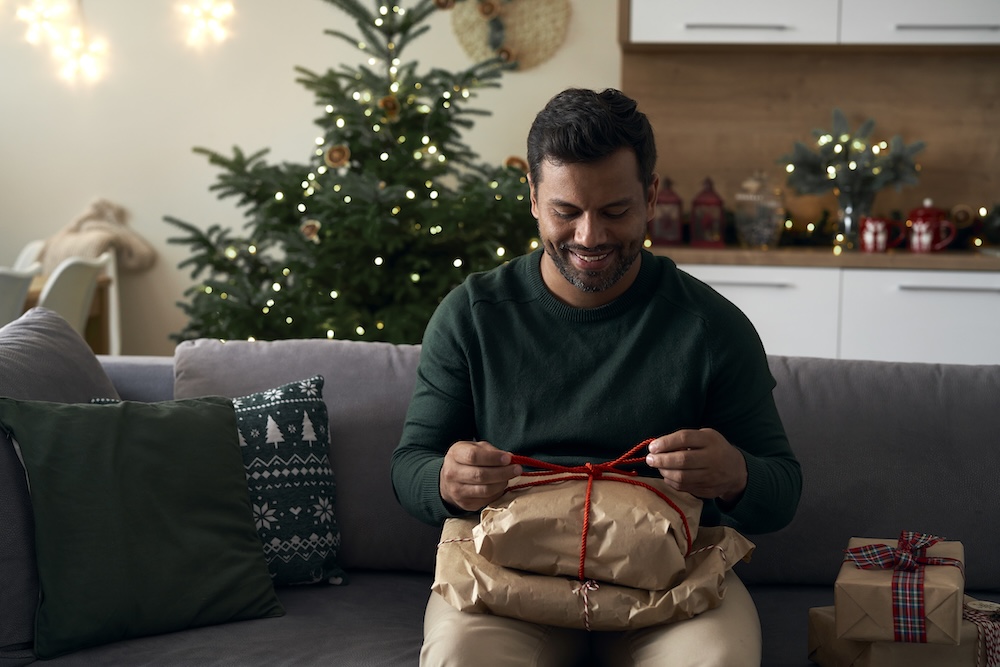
(593,281)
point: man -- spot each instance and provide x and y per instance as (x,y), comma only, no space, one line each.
(577,352)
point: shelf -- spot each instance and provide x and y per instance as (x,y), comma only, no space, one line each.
(825,257)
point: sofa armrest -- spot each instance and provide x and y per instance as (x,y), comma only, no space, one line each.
(141,378)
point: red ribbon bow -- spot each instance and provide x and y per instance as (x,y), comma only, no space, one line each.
(590,472)
(907,561)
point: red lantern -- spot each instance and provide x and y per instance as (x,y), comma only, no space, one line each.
(707,218)
(666,227)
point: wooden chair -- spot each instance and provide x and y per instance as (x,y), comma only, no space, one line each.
(14,284)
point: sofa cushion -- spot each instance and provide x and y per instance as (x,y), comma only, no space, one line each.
(285,439)
(142,519)
(41,358)
(368,388)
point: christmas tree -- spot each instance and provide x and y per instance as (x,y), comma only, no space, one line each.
(391,211)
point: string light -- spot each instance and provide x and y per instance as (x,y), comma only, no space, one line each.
(208,19)
(57,25)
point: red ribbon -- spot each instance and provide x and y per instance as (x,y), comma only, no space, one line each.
(591,472)
(907,561)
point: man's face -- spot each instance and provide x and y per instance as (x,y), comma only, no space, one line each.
(592,221)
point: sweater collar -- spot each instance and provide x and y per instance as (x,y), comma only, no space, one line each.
(637,293)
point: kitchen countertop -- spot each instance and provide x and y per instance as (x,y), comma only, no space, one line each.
(947,260)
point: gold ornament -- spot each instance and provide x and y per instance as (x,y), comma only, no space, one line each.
(515,162)
(337,156)
(310,230)
(390,105)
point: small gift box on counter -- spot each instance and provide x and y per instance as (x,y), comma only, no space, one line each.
(909,592)
(978,646)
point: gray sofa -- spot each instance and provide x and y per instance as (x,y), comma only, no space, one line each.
(883,447)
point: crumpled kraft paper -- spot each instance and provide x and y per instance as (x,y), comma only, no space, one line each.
(827,650)
(863,598)
(471,583)
(635,539)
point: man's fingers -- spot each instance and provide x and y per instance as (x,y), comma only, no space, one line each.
(480,454)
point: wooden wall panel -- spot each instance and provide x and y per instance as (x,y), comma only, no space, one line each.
(725,111)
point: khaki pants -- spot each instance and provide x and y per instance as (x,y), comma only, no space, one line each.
(727,636)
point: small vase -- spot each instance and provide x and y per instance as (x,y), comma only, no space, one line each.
(852,205)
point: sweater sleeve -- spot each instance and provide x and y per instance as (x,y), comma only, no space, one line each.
(740,405)
(440,413)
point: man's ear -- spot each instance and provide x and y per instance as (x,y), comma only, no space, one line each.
(651,192)
(532,198)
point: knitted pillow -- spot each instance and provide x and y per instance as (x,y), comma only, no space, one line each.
(285,439)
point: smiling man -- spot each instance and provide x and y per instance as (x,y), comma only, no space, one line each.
(576,352)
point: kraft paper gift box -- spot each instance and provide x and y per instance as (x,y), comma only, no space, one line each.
(863,598)
(637,535)
(471,583)
(827,650)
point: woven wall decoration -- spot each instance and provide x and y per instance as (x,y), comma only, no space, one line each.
(526,32)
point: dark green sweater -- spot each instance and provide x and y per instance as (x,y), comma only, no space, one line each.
(506,362)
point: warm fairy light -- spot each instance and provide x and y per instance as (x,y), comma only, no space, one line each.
(207,19)
(47,21)
(79,56)
(58,25)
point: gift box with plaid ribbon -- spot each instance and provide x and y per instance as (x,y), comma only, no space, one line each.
(907,591)
(979,645)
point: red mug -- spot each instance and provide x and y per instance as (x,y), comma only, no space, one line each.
(879,234)
(930,229)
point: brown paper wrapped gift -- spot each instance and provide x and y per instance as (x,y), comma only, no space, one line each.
(827,650)
(471,583)
(636,538)
(863,598)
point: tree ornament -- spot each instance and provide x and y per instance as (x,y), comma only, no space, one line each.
(337,156)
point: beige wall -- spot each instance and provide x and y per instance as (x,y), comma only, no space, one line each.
(129,137)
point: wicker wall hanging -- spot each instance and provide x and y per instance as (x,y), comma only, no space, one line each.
(525,32)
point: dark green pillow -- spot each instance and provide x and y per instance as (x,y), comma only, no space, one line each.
(285,440)
(142,519)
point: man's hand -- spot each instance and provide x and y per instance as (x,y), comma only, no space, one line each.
(474,474)
(700,462)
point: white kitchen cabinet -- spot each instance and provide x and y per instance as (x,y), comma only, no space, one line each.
(794,309)
(935,316)
(734,22)
(964,22)
(858,22)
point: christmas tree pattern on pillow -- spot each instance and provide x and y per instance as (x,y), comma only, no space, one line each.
(284,438)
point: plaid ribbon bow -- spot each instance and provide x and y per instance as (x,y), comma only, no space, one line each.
(907,561)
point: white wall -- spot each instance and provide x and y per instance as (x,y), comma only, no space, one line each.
(128,138)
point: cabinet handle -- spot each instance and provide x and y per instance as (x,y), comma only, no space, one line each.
(748,283)
(949,288)
(736,26)
(946,26)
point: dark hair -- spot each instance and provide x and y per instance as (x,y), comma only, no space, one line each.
(580,125)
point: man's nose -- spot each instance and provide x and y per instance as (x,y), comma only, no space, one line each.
(590,233)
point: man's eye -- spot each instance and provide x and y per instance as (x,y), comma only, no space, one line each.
(565,215)
(616,212)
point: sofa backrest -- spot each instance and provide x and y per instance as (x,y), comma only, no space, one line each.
(886,447)
(883,447)
(367,390)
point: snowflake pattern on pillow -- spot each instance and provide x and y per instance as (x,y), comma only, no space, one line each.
(284,438)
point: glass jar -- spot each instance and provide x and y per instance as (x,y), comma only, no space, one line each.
(758,214)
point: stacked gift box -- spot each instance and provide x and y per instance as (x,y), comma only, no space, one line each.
(904,603)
